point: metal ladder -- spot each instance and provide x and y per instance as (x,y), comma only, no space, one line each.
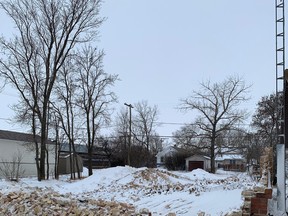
(280,56)
(281,105)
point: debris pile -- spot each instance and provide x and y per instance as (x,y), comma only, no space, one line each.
(122,191)
(148,182)
(39,202)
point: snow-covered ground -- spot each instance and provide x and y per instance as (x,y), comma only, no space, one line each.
(158,190)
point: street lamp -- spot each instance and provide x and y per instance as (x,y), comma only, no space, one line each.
(130,132)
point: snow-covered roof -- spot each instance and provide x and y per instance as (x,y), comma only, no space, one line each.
(168,150)
(198,156)
(229,157)
(19,136)
(227,150)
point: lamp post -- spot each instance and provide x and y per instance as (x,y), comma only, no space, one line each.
(130,132)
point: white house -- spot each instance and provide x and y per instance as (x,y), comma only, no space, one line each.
(232,162)
(19,147)
(192,162)
(198,161)
(167,152)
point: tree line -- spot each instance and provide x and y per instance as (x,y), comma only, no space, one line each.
(57,71)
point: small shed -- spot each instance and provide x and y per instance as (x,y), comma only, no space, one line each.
(64,166)
(100,159)
(198,161)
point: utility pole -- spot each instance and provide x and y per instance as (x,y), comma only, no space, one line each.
(130,131)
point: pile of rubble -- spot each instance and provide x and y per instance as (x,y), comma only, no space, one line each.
(39,202)
(109,195)
(153,181)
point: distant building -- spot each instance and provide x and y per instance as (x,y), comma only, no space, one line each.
(20,147)
(198,162)
(167,152)
(231,161)
(65,164)
(100,158)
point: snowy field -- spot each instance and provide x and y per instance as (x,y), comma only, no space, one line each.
(157,190)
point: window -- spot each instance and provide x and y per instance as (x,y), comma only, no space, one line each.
(233,162)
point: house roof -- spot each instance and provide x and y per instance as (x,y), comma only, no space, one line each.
(228,150)
(229,157)
(198,156)
(18,136)
(65,147)
(171,149)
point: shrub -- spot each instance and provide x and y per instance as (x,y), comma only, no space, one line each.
(12,170)
(176,161)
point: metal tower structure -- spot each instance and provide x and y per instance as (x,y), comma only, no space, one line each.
(282,96)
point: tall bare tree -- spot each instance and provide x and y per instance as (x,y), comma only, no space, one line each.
(122,132)
(47,32)
(66,110)
(145,123)
(217,105)
(95,94)
(145,140)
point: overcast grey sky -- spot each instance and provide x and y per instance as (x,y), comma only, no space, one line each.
(163,49)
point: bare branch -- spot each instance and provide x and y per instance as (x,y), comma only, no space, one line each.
(47,32)
(217,104)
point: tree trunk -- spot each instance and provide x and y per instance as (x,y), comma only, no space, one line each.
(43,142)
(36,145)
(90,167)
(47,161)
(37,161)
(56,167)
(76,160)
(212,152)
(70,160)
(212,160)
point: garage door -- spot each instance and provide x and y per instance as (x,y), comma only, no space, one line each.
(195,165)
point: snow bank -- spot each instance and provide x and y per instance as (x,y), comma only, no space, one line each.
(160,191)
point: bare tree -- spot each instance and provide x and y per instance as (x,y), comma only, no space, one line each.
(265,118)
(95,95)
(145,139)
(264,121)
(56,127)
(66,110)
(121,131)
(48,30)
(187,137)
(217,104)
(145,123)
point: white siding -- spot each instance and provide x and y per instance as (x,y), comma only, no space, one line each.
(12,148)
(168,151)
